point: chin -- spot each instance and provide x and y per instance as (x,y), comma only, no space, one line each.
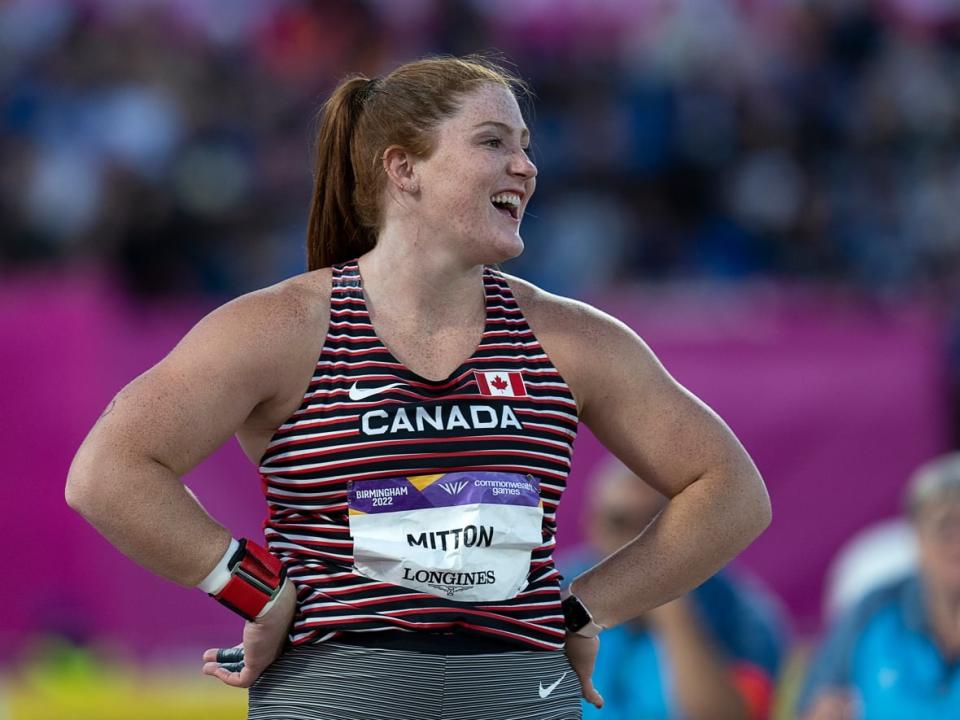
(500,249)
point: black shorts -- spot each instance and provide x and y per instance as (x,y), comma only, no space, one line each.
(334,681)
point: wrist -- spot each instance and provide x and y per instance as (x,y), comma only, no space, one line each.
(577,619)
(277,598)
(251,583)
(220,575)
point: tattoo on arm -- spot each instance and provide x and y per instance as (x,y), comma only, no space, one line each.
(108,410)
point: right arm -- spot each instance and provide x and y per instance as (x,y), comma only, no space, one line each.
(229,372)
(243,369)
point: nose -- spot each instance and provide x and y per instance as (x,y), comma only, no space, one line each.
(522,166)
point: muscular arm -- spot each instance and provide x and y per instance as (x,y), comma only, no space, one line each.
(718,503)
(125,478)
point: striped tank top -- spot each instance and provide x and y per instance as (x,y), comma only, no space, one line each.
(365,416)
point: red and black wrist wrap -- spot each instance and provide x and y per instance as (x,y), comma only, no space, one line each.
(256,577)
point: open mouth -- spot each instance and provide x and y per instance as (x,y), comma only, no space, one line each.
(508,204)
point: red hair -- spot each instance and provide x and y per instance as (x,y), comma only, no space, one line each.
(358,122)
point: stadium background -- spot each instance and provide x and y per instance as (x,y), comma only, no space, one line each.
(767,190)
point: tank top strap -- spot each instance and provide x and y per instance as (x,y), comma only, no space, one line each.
(503,310)
(346,280)
(496,289)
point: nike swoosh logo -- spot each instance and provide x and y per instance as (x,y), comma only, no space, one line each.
(545,691)
(358,394)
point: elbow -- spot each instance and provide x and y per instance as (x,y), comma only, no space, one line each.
(761,514)
(767,512)
(82,491)
(73,497)
(747,506)
(77,491)
(78,498)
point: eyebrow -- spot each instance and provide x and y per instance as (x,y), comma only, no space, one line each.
(524,132)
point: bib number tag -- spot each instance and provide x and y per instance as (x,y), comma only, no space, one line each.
(466,536)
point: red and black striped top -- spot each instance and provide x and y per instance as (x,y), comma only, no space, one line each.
(364,416)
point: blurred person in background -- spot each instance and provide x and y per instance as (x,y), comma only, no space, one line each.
(712,654)
(382,477)
(877,555)
(895,654)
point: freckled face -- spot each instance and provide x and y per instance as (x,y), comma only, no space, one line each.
(475,186)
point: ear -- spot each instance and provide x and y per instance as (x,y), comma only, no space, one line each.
(400,167)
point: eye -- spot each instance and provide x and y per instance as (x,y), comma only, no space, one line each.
(493,142)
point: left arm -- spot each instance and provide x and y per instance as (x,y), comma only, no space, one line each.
(718,502)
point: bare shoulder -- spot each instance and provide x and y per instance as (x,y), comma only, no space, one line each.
(283,328)
(547,312)
(274,336)
(241,370)
(633,406)
(260,333)
(580,339)
(261,343)
(279,311)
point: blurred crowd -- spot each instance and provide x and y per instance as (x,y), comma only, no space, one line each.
(170,141)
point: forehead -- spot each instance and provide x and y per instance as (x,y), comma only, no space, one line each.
(489,102)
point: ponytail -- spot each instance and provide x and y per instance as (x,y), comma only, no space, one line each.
(335,232)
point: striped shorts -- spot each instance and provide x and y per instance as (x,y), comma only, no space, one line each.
(332,681)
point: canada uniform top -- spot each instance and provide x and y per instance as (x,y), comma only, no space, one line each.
(366,416)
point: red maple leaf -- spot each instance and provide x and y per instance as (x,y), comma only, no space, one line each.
(499,383)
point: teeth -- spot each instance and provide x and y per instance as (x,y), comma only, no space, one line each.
(507,199)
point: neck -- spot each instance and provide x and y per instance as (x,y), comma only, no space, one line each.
(405,280)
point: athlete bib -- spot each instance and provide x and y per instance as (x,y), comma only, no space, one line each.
(466,536)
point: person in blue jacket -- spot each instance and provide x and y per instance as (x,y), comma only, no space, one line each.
(712,654)
(895,654)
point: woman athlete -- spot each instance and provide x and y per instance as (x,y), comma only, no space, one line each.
(411,410)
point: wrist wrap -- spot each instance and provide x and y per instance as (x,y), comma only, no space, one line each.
(256,577)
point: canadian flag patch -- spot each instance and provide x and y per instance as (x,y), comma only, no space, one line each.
(500,383)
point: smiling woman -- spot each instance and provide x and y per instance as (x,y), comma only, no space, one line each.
(372,132)
(402,400)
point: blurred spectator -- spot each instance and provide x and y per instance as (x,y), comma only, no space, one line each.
(709,655)
(877,555)
(895,654)
(790,140)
